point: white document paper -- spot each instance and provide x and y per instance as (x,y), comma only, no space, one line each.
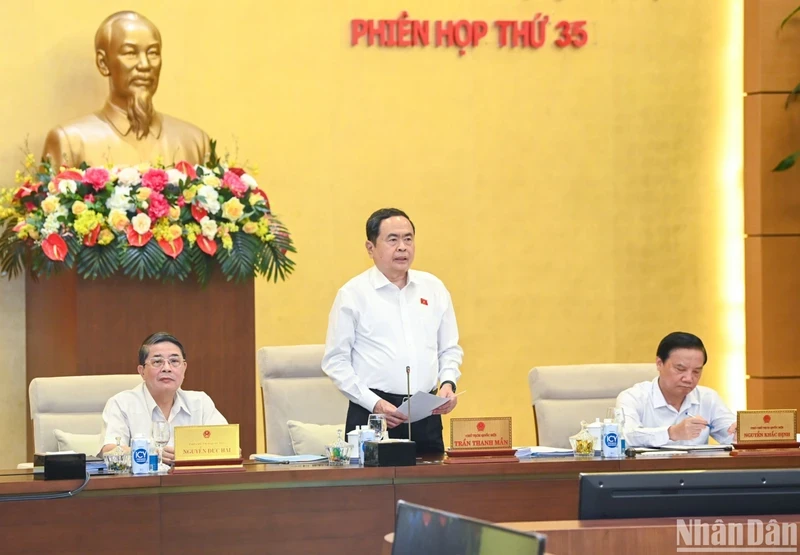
(706,447)
(422,405)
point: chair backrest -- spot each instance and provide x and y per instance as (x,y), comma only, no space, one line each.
(296,388)
(562,396)
(73,404)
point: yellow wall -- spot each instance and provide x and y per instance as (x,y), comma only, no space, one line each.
(579,204)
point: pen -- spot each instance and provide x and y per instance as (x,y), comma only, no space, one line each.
(690,415)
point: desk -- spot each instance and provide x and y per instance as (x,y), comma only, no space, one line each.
(304,510)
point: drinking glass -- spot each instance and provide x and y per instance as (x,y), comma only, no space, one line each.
(160,432)
(377,423)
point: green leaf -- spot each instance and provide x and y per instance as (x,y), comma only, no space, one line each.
(239,263)
(792,95)
(100,261)
(177,269)
(790,16)
(143,262)
(43,266)
(272,260)
(12,249)
(213,161)
(202,264)
(787,162)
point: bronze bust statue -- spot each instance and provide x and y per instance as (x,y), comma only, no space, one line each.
(127,130)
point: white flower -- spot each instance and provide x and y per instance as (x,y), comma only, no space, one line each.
(209,227)
(145,205)
(209,198)
(67,186)
(248,180)
(51,225)
(175,176)
(129,176)
(141,223)
(120,199)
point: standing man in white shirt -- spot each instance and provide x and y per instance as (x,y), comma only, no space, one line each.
(672,409)
(162,365)
(389,318)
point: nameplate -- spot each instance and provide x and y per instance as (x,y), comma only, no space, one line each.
(206,443)
(766,426)
(480,433)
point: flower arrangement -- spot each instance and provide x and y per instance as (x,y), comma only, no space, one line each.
(148,221)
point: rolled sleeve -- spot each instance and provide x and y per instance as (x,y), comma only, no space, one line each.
(637,435)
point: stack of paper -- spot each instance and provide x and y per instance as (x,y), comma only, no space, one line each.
(288,459)
(422,405)
(541,451)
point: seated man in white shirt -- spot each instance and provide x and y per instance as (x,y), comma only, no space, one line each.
(385,320)
(672,409)
(162,365)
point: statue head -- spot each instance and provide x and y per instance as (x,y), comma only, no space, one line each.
(128,52)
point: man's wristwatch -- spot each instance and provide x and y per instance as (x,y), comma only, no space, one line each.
(452,384)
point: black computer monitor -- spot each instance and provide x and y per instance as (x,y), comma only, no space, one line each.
(424,531)
(688,493)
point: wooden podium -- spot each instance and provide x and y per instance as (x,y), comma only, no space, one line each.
(82,327)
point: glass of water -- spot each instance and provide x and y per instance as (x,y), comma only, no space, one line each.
(377,423)
(160,433)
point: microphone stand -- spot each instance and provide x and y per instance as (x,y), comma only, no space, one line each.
(408,388)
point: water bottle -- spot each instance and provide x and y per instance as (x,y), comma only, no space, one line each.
(612,449)
(140,454)
(153,457)
(367,434)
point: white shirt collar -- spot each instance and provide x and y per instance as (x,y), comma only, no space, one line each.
(692,399)
(378,280)
(177,403)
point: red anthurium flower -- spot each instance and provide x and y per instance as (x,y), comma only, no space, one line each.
(30,207)
(208,246)
(54,247)
(185,167)
(198,213)
(238,171)
(263,195)
(90,240)
(19,226)
(172,248)
(69,174)
(27,188)
(137,240)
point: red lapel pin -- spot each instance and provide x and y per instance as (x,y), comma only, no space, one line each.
(423,301)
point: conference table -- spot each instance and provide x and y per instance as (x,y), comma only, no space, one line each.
(305,509)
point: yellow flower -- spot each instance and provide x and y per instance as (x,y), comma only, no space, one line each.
(159,162)
(250,227)
(143,167)
(174,212)
(52,188)
(255,199)
(19,177)
(143,193)
(105,237)
(175,231)
(189,194)
(227,242)
(50,204)
(30,161)
(118,219)
(211,180)
(78,208)
(87,221)
(253,170)
(192,231)
(233,209)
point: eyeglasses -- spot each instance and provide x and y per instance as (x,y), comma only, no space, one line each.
(158,363)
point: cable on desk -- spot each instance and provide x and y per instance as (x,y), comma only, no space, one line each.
(43,496)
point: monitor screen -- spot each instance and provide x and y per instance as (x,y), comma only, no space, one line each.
(421,531)
(688,493)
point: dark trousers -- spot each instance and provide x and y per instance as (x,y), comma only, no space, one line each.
(426,433)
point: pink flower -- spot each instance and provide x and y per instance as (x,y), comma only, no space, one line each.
(159,207)
(234,183)
(88,198)
(96,177)
(155,180)
(181,201)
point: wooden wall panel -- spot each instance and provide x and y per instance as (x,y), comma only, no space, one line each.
(772,199)
(771,62)
(79,327)
(772,292)
(773,393)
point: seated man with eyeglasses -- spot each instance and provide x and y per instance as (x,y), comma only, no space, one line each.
(162,365)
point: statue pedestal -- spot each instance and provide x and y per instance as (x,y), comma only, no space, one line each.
(79,327)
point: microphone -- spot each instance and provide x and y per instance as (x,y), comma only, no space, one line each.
(408,387)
